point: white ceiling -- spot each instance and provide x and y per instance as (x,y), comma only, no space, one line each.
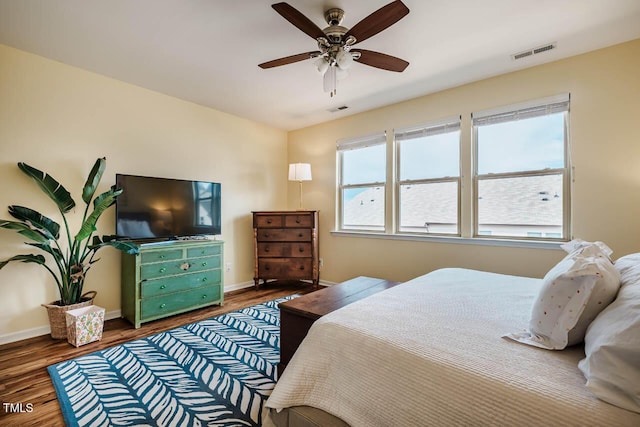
(208,51)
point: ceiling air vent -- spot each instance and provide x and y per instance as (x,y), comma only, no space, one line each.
(533,51)
(336,109)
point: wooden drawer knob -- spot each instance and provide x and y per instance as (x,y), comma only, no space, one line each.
(163,287)
(297,220)
(267,267)
(300,234)
(269,221)
(163,305)
(162,270)
(302,267)
(267,249)
(301,249)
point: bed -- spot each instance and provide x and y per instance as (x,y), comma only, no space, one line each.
(431,351)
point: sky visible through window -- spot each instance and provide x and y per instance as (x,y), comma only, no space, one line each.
(517,146)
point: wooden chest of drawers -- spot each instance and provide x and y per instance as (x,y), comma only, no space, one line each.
(169,278)
(286,246)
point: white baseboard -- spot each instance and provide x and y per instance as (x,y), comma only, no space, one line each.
(115,314)
(44,330)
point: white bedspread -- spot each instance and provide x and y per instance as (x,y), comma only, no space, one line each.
(429,352)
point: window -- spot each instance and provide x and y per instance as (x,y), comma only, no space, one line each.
(521,178)
(428,178)
(361,183)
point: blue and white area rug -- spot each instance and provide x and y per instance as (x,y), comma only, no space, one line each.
(217,372)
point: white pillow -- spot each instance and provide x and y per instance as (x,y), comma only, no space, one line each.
(573,293)
(612,343)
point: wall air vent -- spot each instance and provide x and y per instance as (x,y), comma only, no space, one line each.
(533,51)
(336,109)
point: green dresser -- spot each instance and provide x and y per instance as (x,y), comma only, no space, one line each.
(168,278)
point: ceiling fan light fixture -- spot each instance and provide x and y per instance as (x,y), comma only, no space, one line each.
(344,59)
(321,65)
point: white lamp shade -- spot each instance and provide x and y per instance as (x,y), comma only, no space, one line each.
(299,172)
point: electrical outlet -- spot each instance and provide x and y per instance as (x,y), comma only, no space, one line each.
(227,266)
(320,263)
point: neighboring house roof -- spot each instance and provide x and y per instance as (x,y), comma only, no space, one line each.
(535,200)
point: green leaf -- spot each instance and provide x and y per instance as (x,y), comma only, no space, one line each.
(55,252)
(38,259)
(50,228)
(100,204)
(50,186)
(127,247)
(93,179)
(25,230)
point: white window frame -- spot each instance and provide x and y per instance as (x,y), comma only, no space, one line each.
(536,108)
(379,138)
(439,127)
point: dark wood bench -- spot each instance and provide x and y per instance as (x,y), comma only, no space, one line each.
(297,315)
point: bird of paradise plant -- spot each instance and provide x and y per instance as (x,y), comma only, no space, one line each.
(73,262)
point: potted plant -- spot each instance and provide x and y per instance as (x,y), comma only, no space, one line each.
(71,261)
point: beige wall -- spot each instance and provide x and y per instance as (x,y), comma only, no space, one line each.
(605,149)
(60,119)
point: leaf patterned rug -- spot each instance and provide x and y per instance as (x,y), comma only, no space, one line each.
(217,372)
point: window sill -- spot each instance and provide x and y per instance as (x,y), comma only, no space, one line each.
(453,240)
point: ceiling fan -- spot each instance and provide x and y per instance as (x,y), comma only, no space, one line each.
(335,52)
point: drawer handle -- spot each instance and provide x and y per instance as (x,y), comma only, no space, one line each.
(162,270)
(297,220)
(267,249)
(204,264)
(302,267)
(163,287)
(203,252)
(301,249)
(161,256)
(185,266)
(204,279)
(267,268)
(269,221)
(266,234)
(163,305)
(204,296)
(300,234)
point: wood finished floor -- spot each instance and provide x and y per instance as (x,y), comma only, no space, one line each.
(23,364)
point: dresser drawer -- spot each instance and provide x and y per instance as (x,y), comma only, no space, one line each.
(302,220)
(268,221)
(179,301)
(203,251)
(285,235)
(160,255)
(291,268)
(162,269)
(158,287)
(277,249)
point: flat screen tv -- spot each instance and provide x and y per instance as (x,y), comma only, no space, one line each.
(164,209)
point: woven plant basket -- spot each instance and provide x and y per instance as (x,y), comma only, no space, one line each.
(58,314)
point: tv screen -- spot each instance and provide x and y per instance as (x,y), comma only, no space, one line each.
(162,208)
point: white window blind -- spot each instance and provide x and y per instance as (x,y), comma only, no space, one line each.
(431,129)
(361,142)
(542,107)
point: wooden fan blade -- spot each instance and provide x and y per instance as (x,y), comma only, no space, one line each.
(294,16)
(381,60)
(379,20)
(289,59)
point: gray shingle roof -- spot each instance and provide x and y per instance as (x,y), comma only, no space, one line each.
(535,200)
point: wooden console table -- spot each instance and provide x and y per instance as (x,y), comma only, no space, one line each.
(297,315)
